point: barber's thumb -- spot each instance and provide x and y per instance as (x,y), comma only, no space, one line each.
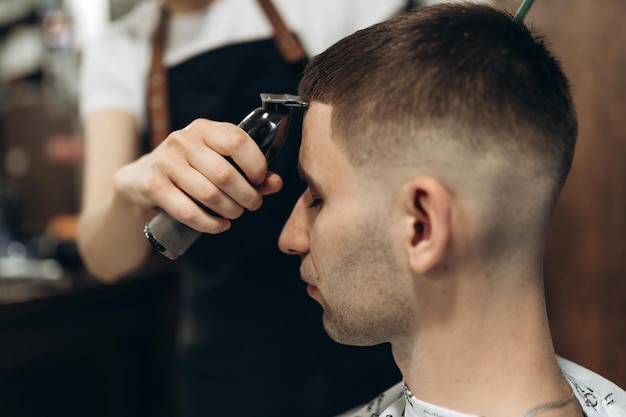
(272,184)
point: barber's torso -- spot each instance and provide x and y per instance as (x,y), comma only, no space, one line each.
(251,341)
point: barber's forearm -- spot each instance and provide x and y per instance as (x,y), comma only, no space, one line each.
(110,238)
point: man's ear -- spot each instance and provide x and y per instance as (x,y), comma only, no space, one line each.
(427,204)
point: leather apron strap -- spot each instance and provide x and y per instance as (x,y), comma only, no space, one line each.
(157,99)
(286,41)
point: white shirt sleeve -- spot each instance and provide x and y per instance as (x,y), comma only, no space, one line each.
(113,72)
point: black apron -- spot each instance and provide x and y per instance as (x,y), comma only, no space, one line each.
(251,340)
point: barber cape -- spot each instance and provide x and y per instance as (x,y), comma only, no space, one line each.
(597,396)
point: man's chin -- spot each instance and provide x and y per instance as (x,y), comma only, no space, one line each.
(343,335)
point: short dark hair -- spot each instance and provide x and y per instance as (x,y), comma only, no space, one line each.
(465,68)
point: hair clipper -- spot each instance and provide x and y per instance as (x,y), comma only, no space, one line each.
(268,126)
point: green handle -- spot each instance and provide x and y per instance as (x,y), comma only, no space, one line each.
(523,9)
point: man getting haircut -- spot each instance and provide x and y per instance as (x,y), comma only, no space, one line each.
(434,147)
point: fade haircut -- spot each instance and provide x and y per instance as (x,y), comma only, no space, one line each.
(472,71)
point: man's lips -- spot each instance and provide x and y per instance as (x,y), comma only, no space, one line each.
(313,292)
(308,282)
(311,289)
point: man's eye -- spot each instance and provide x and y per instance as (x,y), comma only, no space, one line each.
(316,202)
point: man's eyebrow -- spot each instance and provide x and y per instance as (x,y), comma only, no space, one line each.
(306,177)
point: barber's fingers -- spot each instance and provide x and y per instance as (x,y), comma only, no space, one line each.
(148,184)
(229,200)
(212,148)
(230,140)
(183,208)
(272,184)
(221,179)
(195,163)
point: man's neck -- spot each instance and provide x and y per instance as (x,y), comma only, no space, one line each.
(495,359)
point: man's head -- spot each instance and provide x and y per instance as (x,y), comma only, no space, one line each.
(437,143)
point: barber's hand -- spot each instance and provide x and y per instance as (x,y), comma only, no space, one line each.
(191,162)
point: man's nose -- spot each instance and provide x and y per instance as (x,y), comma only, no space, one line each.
(294,238)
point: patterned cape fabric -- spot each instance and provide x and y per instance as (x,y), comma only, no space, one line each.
(598,397)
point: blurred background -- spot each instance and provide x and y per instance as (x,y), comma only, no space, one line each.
(68,345)
(71,346)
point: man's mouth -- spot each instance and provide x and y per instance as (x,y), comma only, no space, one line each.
(311,289)
(313,292)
